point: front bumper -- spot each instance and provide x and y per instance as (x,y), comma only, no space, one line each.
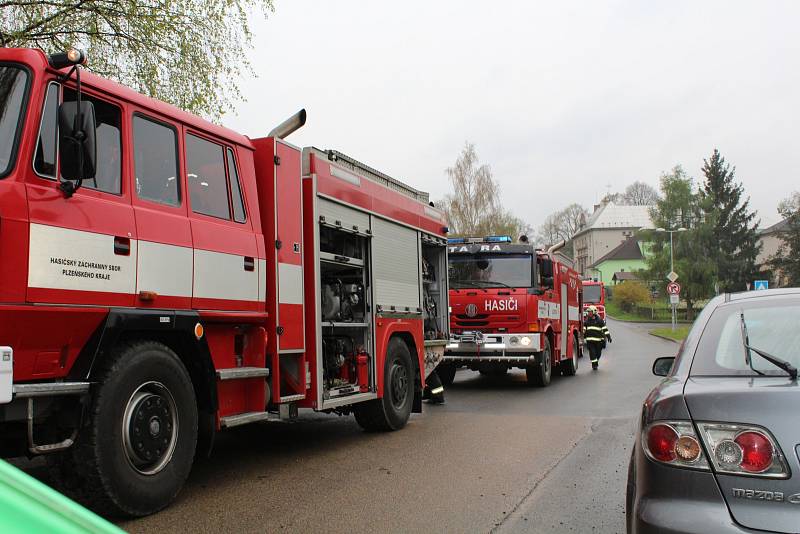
(476,346)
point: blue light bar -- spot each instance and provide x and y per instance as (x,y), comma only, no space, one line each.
(456,240)
(498,239)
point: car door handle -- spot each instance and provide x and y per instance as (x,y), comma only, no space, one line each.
(122,246)
(249,263)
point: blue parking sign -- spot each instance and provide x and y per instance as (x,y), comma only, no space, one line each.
(760,285)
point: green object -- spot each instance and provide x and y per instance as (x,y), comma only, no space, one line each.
(30,507)
(679,334)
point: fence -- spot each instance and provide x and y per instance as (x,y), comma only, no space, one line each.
(661,314)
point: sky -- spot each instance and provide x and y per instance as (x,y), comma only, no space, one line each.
(564,100)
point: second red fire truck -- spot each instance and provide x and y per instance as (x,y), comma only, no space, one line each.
(594,294)
(164,278)
(512,306)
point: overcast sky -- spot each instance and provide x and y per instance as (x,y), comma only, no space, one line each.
(562,99)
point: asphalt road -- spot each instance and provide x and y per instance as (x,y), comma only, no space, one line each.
(499,456)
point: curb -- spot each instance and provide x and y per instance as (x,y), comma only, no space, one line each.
(664,337)
(646,321)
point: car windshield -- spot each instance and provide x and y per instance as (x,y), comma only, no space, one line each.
(771,327)
(484,270)
(13,81)
(591,294)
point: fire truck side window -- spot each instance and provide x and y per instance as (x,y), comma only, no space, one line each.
(208,187)
(109,144)
(156,161)
(239,214)
(44,162)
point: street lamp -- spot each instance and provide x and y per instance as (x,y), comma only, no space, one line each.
(671,259)
(672,262)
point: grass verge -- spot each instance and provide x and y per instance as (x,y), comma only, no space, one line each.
(679,334)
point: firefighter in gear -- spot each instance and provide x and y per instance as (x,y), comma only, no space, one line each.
(595,332)
(434,390)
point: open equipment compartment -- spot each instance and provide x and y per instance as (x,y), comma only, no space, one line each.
(435,311)
(345,294)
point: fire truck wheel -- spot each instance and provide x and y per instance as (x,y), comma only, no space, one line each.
(133,457)
(393,410)
(447,373)
(539,373)
(570,367)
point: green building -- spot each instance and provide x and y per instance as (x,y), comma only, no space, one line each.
(620,264)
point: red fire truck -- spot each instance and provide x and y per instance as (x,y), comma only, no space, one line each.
(594,294)
(512,306)
(163,278)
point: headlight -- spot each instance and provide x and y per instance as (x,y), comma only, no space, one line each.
(525,341)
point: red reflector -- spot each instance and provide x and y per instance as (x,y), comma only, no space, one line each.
(661,441)
(757,451)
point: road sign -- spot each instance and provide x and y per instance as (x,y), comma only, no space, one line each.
(674,299)
(674,288)
(760,285)
(672,276)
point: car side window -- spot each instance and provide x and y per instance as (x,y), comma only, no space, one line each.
(155,161)
(44,161)
(205,168)
(239,214)
(108,136)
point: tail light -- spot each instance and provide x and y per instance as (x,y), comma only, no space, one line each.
(674,443)
(743,450)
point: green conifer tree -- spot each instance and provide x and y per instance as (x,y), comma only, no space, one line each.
(733,240)
(787,260)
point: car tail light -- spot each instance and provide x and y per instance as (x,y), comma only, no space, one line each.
(674,443)
(743,450)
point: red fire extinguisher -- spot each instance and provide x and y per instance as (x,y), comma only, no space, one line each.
(362,364)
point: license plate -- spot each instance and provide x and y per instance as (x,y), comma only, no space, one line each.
(6,374)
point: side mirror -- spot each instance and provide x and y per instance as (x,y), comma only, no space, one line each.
(662,366)
(547,268)
(77,143)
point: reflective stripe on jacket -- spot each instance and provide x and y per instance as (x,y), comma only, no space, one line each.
(595,329)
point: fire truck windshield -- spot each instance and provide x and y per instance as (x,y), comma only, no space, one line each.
(13,82)
(591,293)
(484,270)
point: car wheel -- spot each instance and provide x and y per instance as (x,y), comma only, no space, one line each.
(391,412)
(138,446)
(539,373)
(570,367)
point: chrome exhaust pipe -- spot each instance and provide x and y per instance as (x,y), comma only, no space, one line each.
(290,125)
(558,246)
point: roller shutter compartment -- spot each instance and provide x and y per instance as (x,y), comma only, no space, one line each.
(396,266)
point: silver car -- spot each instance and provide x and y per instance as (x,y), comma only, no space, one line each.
(718,448)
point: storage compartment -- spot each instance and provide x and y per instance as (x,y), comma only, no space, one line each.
(345,305)
(434,289)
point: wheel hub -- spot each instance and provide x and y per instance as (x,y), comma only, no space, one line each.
(399,385)
(149,428)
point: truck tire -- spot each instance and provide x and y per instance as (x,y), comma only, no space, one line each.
(447,373)
(570,367)
(539,373)
(137,448)
(391,412)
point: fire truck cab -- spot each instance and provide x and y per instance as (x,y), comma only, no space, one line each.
(511,306)
(594,294)
(164,278)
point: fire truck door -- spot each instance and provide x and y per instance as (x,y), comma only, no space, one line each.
(83,248)
(289,229)
(564,320)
